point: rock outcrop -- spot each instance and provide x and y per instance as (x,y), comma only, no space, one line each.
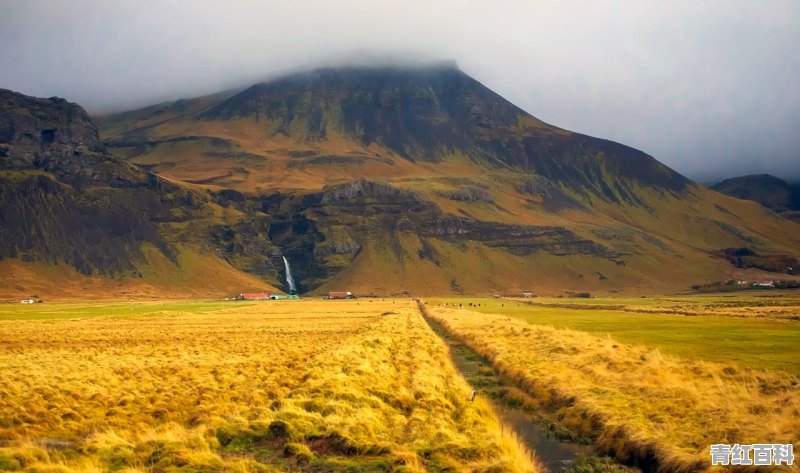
(65,200)
(58,137)
(323,233)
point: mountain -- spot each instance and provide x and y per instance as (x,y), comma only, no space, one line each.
(329,125)
(771,192)
(77,221)
(420,180)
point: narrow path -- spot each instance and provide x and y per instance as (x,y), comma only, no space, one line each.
(555,455)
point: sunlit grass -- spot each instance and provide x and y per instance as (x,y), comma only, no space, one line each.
(79,310)
(632,400)
(328,386)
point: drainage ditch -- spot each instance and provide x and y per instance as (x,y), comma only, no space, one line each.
(552,451)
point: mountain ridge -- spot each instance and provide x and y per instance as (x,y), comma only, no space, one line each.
(463,150)
(423,182)
(772,192)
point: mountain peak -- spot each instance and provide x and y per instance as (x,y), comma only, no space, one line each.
(429,113)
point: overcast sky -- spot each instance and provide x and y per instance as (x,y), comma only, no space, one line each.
(711,88)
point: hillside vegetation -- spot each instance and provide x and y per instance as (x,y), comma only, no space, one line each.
(421,180)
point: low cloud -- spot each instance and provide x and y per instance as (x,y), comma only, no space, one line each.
(708,88)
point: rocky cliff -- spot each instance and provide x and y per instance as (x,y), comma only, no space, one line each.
(65,201)
(59,137)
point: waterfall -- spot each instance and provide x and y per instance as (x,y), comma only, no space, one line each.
(289,278)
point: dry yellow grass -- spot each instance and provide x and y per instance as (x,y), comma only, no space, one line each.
(771,304)
(635,402)
(330,386)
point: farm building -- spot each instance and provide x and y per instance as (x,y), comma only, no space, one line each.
(254,296)
(340,295)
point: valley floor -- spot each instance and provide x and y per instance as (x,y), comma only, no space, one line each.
(368,385)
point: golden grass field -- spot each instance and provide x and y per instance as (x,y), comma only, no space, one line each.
(631,400)
(367,385)
(297,386)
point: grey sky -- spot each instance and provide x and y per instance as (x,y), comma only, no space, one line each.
(711,88)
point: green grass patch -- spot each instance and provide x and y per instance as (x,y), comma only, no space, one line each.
(123,310)
(752,342)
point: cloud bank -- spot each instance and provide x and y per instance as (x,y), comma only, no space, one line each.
(709,88)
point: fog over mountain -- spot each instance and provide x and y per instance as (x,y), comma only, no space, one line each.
(710,89)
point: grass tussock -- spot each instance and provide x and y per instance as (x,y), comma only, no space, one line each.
(265,387)
(634,402)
